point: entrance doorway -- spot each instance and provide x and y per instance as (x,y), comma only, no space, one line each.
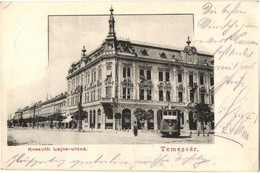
(192,121)
(126,119)
(150,121)
(109,118)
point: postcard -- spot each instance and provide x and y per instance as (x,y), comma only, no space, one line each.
(130,86)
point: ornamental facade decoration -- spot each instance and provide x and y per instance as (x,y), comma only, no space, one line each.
(108,81)
(164,85)
(202,89)
(144,52)
(165,68)
(100,51)
(145,84)
(127,64)
(180,70)
(92,85)
(145,66)
(109,45)
(162,55)
(126,82)
(125,47)
(193,86)
(190,50)
(180,87)
(99,82)
(191,72)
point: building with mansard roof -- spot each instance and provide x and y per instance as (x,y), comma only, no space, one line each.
(121,76)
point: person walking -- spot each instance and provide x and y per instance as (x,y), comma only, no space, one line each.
(135,129)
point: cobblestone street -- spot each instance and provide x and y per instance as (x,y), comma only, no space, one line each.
(29,136)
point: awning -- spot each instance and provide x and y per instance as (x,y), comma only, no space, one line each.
(67,120)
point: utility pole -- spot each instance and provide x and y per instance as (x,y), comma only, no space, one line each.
(34,114)
(80,90)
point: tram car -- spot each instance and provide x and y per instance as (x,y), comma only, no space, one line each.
(170,122)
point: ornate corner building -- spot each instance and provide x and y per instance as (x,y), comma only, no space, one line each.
(121,76)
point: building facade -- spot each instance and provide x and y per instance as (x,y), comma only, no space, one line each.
(40,111)
(122,76)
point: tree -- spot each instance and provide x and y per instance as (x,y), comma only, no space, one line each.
(141,116)
(79,117)
(203,114)
(56,116)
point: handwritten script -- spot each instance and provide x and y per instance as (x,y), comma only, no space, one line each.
(161,161)
(236,53)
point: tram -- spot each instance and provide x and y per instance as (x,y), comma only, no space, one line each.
(170,122)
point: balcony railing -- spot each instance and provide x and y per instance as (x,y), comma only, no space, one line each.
(107,100)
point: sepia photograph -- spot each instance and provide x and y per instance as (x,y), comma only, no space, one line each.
(106,88)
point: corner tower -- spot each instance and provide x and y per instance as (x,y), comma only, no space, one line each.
(111,34)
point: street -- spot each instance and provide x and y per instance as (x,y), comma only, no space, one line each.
(29,136)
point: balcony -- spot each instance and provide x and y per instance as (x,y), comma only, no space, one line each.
(107,100)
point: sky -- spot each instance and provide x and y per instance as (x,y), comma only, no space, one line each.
(66,37)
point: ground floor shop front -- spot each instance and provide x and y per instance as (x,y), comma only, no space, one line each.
(123,116)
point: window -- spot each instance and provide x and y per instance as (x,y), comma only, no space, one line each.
(179,77)
(141,94)
(167,75)
(94,93)
(191,80)
(128,93)
(87,96)
(126,72)
(202,98)
(99,94)
(148,74)
(191,96)
(160,95)
(160,76)
(124,93)
(141,72)
(94,76)
(168,96)
(180,96)
(99,73)
(211,81)
(212,99)
(149,94)
(72,101)
(201,79)
(108,92)
(76,100)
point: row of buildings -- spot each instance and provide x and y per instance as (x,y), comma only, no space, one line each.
(121,76)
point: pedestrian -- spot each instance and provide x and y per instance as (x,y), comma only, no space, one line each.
(135,129)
